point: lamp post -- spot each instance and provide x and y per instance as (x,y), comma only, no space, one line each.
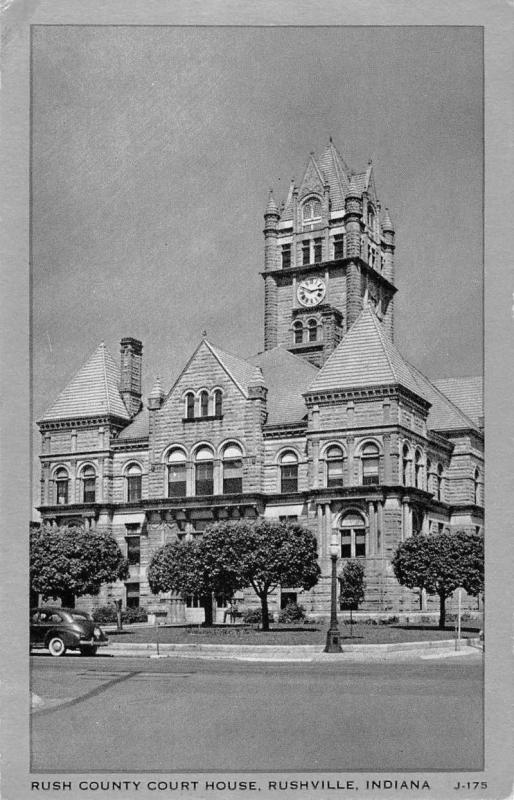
(333,636)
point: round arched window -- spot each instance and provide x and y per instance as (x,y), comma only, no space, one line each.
(298,332)
(288,472)
(177,473)
(312,329)
(335,466)
(204,471)
(232,470)
(353,536)
(311,211)
(370,464)
(89,484)
(134,482)
(62,482)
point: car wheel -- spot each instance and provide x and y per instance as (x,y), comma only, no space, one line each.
(56,646)
(88,650)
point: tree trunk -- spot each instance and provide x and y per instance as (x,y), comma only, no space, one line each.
(442,610)
(207,607)
(68,600)
(265,612)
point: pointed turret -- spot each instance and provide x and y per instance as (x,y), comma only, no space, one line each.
(156,395)
(271,208)
(387,225)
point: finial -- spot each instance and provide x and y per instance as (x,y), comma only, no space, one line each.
(330,139)
(204,334)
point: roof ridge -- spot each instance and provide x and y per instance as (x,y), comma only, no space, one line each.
(381,334)
(106,383)
(442,394)
(214,352)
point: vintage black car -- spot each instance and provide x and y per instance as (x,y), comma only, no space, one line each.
(61,629)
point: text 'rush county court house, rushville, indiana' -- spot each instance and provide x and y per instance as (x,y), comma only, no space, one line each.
(329,425)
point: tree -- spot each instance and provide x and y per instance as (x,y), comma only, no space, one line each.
(441,563)
(352,584)
(68,561)
(182,567)
(263,555)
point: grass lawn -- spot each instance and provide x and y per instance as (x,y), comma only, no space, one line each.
(288,635)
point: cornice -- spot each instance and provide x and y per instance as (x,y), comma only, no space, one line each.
(82,422)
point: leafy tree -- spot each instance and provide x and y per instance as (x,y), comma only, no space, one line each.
(182,567)
(68,561)
(352,584)
(261,554)
(441,563)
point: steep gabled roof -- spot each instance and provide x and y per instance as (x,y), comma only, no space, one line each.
(93,391)
(466,393)
(286,377)
(444,415)
(364,357)
(336,172)
(238,370)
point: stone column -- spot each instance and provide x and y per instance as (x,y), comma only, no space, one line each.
(350,442)
(100,480)
(380,529)
(371,530)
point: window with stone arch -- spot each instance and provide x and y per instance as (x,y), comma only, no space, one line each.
(418,470)
(352,528)
(204,471)
(311,211)
(476,487)
(439,489)
(370,463)
(406,465)
(335,466)
(134,482)
(204,403)
(312,330)
(232,469)
(218,402)
(190,405)
(288,472)
(62,484)
(298,332)
(88,476)
(177,481)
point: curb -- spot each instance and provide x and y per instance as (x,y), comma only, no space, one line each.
(306,652)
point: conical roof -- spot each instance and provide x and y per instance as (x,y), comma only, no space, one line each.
(272,207)
(365,357)
(93,391)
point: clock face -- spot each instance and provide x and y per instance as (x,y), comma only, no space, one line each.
(311,291)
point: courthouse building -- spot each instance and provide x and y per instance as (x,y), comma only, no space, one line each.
(329,425)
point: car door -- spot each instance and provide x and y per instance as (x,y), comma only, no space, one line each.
(37,630)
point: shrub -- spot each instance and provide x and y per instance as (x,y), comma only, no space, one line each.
(252,615)
(104,614)
(134,615)
(293,612)
(107,614)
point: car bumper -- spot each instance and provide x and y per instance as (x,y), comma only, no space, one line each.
(94,642)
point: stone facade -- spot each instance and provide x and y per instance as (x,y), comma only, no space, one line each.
(328,426)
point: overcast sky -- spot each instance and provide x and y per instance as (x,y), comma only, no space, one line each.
(153,150)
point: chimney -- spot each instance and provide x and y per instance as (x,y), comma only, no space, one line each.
(130,369)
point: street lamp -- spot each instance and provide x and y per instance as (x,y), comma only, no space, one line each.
(333,636)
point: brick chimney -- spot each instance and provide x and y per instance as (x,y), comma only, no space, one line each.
(130,369)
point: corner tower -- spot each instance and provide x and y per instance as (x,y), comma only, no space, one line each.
(327,248)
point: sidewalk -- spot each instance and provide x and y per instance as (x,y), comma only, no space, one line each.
(304,653)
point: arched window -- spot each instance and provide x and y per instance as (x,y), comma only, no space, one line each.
(218,402)
(476,487)
(298,332)
(176,474)
(204,403)
(88,484)
(418,469)
(204,471)
(311,211)
(371,217)
(288,472)
(353,536)
(439,483)
(406,465)
(134,482)
(429,476)
(335,466)
(232,470)
(62,483)
(312,330)
(370,464)
(190,405)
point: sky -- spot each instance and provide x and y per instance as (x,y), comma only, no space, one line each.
(153,152)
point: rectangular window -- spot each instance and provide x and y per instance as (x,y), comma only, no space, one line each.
(62,493)
(338,246)
(89,490)
(317,250)
(335,473)
(286,256)
(289,478)
(134,550)
(346,545)
(133,488)
(204,483)
(177,480)
(306,252)
(233,477)
(132,595)
(360,543)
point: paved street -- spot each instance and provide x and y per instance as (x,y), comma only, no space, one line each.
(178,714)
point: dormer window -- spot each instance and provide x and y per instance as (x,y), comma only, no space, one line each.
(218,402)
(204,404)
(311,212)
(190,405)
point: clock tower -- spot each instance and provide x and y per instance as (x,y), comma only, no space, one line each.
(327,248)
